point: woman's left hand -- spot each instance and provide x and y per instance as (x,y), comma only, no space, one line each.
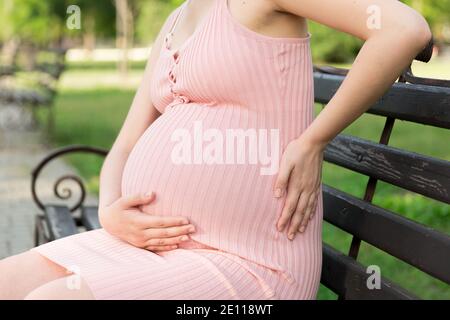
(299,178)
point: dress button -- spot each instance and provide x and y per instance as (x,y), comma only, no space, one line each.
(172,77)
(168,39)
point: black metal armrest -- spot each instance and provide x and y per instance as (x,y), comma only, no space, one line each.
(66,193)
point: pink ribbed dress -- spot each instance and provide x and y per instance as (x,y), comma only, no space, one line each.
(225,76)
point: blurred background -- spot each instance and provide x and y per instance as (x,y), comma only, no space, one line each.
(68,74)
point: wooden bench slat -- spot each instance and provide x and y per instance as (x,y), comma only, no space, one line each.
(412,171)
(416,244)
(60,221)
(41,232)
(412,102)
(348,278)
(89,217)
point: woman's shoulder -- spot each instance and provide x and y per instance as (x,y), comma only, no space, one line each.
(174,13)
(170,19)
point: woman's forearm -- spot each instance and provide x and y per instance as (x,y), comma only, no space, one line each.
(380,61)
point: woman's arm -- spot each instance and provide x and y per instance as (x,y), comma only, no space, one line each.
(140,115)
(394,34)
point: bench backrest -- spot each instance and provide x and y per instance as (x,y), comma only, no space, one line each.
(418,245)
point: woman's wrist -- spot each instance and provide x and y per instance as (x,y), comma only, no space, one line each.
(312,142)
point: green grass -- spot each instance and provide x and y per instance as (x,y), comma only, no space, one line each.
(103,65)
(90,109)
(90,117)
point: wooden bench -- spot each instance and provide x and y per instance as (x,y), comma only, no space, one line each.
(424,101)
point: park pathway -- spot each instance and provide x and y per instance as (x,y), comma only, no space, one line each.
(20,151)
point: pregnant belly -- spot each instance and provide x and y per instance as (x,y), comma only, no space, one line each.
(201,169)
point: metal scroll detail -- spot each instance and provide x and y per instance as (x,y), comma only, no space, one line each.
(60,192)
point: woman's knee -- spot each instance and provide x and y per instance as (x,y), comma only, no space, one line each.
(67,288)
(31,263)
(21,273)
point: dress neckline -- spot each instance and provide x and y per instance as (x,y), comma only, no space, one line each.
(239,27)
(169,35)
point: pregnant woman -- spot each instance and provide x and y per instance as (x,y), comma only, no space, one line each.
(212,189)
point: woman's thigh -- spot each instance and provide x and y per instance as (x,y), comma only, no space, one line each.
(22,273)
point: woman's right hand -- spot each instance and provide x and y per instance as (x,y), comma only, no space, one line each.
(124,220)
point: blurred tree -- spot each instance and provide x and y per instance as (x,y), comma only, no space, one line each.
(98,20)
(27,19)
(36,23)
(25,22)
(152,14)
(124,32)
